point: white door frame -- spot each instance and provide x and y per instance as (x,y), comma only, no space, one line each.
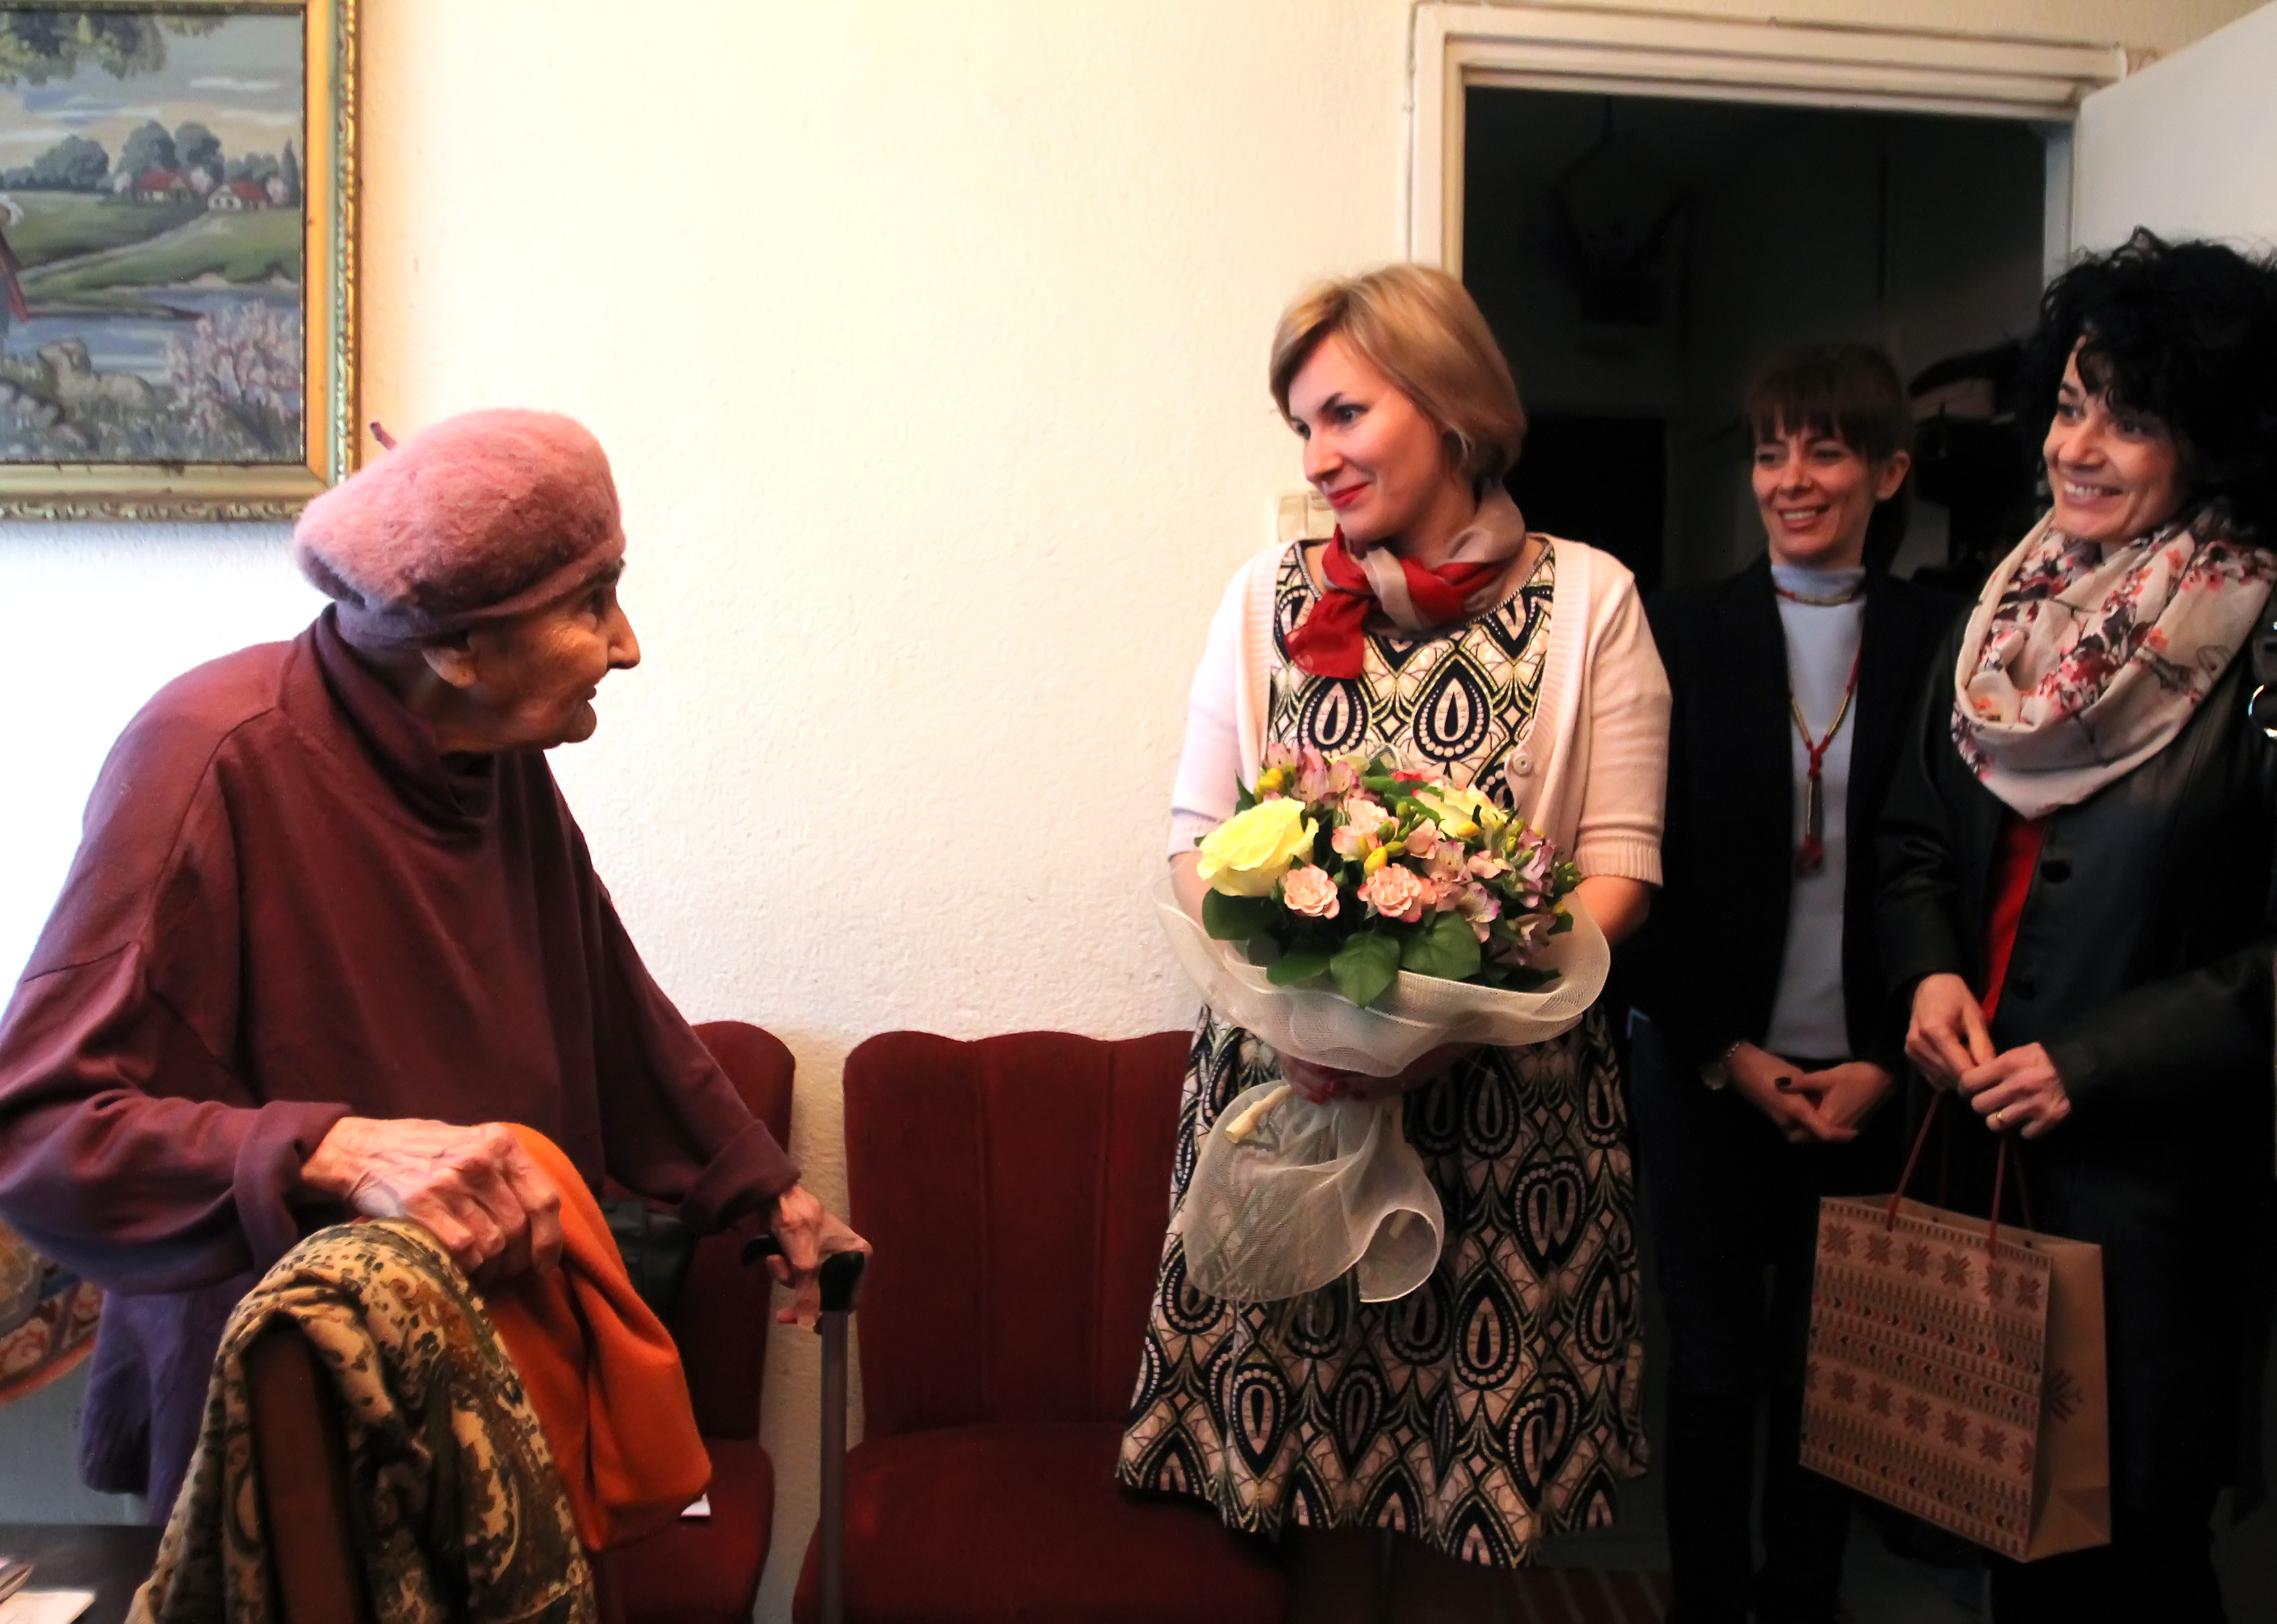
(1455,47)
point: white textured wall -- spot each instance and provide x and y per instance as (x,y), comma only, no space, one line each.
(928,340)
(2211,102)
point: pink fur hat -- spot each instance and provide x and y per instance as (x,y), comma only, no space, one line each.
(479,518)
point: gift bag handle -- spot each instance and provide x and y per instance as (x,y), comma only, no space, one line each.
(1999,1177)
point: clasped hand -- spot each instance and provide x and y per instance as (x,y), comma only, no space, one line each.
(1822,1107)
(496,1213)
(809,1234)
(475,1190)
(1948,1040)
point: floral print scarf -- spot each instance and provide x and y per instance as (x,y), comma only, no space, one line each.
(459,1518)
(2081,662)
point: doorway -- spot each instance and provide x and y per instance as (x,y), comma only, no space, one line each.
(1642,258)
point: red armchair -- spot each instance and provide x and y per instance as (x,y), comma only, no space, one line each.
(708,1572)
(693,1573)
(1016,1189)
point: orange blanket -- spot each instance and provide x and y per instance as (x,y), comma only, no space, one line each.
(602,1374)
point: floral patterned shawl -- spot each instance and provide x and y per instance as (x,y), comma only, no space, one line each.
(460,1514)
(2081,662)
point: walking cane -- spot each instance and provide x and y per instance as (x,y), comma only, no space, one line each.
(841,1282)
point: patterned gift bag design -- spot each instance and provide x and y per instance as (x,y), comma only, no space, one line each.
(1961,1381)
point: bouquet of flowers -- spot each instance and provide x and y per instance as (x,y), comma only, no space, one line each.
(1355,870)
(1359,916)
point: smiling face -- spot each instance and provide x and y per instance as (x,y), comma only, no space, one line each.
(527,684)
(1382,464)
(2117,474)
(1817,495)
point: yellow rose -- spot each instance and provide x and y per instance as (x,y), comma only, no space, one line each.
(1457,812)
(1247,855)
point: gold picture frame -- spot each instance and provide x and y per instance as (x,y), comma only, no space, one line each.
(181,394)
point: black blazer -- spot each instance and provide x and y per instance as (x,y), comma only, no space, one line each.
(1706,966)
(2143,962)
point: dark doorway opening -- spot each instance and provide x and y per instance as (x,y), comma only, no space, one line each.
(1602,480)
(1642,258)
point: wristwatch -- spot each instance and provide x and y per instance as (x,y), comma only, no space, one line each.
(1717,1074)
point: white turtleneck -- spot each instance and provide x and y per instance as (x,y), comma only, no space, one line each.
(1808,1018)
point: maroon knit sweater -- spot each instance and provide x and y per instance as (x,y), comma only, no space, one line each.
(286,909)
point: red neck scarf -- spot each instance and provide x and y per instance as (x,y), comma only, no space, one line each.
(1332,640)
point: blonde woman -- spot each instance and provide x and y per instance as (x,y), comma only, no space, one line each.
(1405,1454)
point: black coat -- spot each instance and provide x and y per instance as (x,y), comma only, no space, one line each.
(2143,962)
(1706,967)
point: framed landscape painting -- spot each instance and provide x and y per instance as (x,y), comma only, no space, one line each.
(177,257)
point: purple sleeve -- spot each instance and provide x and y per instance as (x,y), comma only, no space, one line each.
(129,1147)
(675,1127)
(139,1191)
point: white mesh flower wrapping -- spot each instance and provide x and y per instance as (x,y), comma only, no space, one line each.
(1316,1190)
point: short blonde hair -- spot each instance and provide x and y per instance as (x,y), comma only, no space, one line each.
(1420,329)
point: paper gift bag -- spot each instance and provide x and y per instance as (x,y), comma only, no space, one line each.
(1956,1372)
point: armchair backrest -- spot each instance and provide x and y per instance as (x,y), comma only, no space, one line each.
(1016,1189)
(722,1318)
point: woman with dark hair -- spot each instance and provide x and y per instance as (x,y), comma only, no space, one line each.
(1770,1042)
(2076,900)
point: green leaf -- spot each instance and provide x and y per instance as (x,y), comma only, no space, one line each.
(1366,966)
(1236,919)
(1243,800)
(1299,965)
(1444,948)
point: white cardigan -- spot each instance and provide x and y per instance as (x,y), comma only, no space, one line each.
(1591,773)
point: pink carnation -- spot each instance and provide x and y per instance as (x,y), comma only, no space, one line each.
(1395,892)
(1309,891)
(1421,839)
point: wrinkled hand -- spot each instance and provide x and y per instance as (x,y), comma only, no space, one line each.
(1757,1074)
(2020,1089)
(475,1190)
(1947,1035)
(808,1233)
(1321,1084)
(1846,1095)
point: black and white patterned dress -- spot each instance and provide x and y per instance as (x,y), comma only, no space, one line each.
(1503,1399)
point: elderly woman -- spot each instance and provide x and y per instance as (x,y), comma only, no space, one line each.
(331,924)
(1502,1400)
(2077,858)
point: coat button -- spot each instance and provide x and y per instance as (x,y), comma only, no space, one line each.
(2055,870)
(2023,988)
(1522,764)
